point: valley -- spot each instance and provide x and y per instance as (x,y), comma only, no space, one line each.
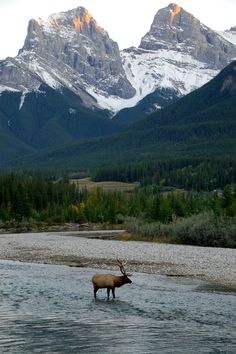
(115,160)
(134,123)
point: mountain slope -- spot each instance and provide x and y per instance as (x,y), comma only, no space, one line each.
(153,102)
(201,123)
(178,55)
(46,118)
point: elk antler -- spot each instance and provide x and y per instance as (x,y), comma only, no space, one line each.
(122,269)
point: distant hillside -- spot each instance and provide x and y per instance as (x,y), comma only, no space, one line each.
(46,118)
(145,107)
(202,123)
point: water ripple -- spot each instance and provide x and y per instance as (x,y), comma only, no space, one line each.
(50,309)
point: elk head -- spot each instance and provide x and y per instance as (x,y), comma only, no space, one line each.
(125,275)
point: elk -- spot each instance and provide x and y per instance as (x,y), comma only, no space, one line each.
(110,281)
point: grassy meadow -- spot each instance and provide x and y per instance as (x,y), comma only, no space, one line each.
(87,183)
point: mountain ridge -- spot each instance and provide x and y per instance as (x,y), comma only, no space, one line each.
(72,68)
(74,44)
(203,123)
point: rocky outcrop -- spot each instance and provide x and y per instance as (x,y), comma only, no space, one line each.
(69,49)
(174,28)
(178,55)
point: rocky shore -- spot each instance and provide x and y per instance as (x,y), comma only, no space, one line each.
(96,249)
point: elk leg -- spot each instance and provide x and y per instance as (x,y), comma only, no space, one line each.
(108,293)
(95,292)
(113,293)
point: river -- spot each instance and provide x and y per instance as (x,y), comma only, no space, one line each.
(50,309)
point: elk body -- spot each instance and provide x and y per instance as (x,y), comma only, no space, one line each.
(110,281)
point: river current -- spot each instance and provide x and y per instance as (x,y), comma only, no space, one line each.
(50,309)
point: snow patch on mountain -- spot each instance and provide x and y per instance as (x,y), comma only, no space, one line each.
(22,99)
(148,70)
(45,76)
(112,103)
(7,88)
(229,35)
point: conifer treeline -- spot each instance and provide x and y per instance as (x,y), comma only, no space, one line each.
(44,199)
(191,174)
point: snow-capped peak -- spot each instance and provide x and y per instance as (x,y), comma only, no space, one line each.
(70,50)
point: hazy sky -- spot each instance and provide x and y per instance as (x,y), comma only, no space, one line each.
(125,20)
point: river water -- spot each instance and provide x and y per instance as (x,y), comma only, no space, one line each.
(50,309)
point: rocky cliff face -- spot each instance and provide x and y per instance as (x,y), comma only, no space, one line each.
(178,55)
(174,28)
(69,49)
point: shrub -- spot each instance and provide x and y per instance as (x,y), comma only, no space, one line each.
(205,229)
(144,230)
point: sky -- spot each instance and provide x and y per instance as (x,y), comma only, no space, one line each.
(126,21)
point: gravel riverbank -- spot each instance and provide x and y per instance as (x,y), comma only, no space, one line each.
(217,265)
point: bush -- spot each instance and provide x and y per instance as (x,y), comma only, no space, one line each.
(144,230)
(205,229)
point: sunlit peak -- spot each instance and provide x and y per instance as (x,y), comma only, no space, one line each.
(77,23)
(174,11)
(85,18)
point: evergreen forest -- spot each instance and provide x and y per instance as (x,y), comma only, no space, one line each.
(28,201)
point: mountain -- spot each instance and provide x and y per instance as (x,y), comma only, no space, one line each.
(50,84)
(70,78)
(70,50)
(175,29)
(203,123)
(178,55)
